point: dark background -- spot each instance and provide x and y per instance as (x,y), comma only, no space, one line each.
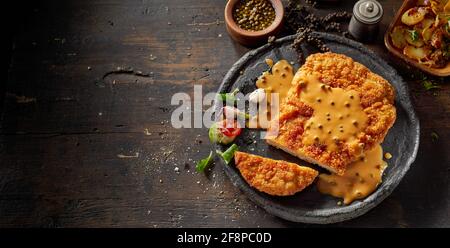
(66,137)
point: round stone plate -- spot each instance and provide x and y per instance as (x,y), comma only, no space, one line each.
(309,206)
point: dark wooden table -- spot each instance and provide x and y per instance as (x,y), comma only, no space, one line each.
(79,152)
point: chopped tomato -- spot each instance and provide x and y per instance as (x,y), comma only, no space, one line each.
(227,129)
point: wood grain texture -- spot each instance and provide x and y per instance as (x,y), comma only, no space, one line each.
(76,152)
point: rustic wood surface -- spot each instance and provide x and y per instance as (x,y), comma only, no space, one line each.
(79,152)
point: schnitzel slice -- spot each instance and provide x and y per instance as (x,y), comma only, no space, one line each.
(274,177)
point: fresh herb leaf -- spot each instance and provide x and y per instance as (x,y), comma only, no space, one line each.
(229,97)
(429,85)
(228,155)
(446,51)
(446,54)
(226,97)
(434,137)
(202,164)
(414,35)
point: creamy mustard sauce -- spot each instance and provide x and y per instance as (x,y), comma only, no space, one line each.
(269,62)
(360,179)
(338,116)
(277,81)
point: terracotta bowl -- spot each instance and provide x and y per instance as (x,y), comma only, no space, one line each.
(442,72)
(253,38)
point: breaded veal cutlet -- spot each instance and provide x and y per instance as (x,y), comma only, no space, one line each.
(335,124)
(274,177)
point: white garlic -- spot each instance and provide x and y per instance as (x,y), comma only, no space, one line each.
(257,96)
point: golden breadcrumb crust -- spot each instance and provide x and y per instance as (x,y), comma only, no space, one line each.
(339,71)
(274,177)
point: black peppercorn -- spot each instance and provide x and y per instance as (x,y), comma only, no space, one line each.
(302,21)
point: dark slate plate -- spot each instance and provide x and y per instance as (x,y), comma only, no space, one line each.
(309,206)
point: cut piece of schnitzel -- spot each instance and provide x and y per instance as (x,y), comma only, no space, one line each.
(274,177)
(336,110)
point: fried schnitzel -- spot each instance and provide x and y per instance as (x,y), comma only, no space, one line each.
(336,110)
(274,177)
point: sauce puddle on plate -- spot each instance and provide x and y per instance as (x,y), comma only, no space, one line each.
(278,80)
(360,179)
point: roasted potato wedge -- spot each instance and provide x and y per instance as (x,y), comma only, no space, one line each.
(398,37)
(413,38)
(417,53)
(414,15)
(428,32)
(426,23)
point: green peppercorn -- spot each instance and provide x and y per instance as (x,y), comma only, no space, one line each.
(254,15)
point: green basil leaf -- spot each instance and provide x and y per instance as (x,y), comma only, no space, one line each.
(414,35)
(429,85)
(202,164)
(229,97)
(434,137)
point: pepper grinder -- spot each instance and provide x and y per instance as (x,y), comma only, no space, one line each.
(364,24)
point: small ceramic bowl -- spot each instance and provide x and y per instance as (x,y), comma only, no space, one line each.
(253,38)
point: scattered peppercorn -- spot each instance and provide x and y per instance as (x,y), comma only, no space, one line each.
(254,15)
(311,2)
(301,21)
(387,155)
